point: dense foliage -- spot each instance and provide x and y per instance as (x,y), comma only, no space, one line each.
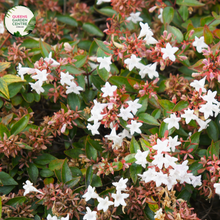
(110,110)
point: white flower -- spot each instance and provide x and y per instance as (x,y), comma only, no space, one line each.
(90,194)
(132,62)
(210,96)
(116,138)
(125,133)
(169,52)
(99,2)
(41,75)
(66,78)
(202,124)
(119,198)
(125,113)
(51,61)
(37,86)
(199,44)
(141,158)
(199,84)
(28,187)
(49,217)
(172,142)
(207,109)
(72,87)
(150,69)
(96,111)
(121,184)
(134,127)
(65,218)
(189,115)
(173,121)
(159,214)
(161,146)
(104,204)
(2,27)
(93,65)
(217,188)
(108,90)
(160,16)
(196,180)
(94,128)
(145,30)
(160,160)
(104,63)
(150,40)
(24,70)
(90,215)
(134,17)
(134,106)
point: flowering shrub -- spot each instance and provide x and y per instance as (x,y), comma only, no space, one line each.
(110,110)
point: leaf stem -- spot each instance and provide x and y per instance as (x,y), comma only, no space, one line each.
(5,40)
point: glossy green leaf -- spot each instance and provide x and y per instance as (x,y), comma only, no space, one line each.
(107,11)
(33,172)
(14,88)
(96,181)
(177,33)
(168,14)
(16,201)
(213,131)
(4,130)
(91,152)
(45,48)
(4,65)
(4,88)
(208,36)
(28,97)
(44,159)
(71,69)
(66,19)
(81,59)
(89,174)
(103,46)
(73,182)
(184,13)
(92,29)
(6,179)
(195,167)
(135,169)
(56,164)
(46,172)
(130,158)
(163,128)
(20,125)
(180,105)
(73,101)
(120,81)
(134,146)
(66,173)
(148,119)
(190,3)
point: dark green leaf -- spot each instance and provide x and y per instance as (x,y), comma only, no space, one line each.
(66,172)
(73,101)
(44,159)
(103,46)
(180,105)
(6,179)
(92,29)
(213,131)
(168,14)
(89,173)
(190,3)
(20,125)
(71,69)
(73,182)
(33,172)
(46,172)
(135,169)
(16,201)
(67,20)
(134,146)
(148,119)
(96,181)
(74,153)
(177,33)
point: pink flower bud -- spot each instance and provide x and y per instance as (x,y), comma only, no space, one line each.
(152,9)
(191,33)
(63,129)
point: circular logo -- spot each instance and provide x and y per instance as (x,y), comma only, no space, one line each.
(20,21)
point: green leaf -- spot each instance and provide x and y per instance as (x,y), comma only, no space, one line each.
(103,73)
(9,78)
(183,10)
(190,3)
(194,142)
(66,173)
(130,158)
(134,146)
(30,43)
(103,46)
(156,113)
(118,165)
(213,149)
(74,153)
(73,182)
(166,104)
(71,69)
(180,105)
(97,81)
(81,59)
(95,144)
(177,34)
(149,213)
(73,101)
(91,152)
(20,125)
(92,29)
(45,48)
(67,20)
(76,171)
(148,119)
(213,131)
(4,88)
(4,130)
(33,172)
(4,65)
(135,169)
(163,128)
(107,11)
(18,218)
(89,174)
(144,102)
(168,14)
(194,167)
(96,181)
(14,88)
(16,201)
(208,36)
(17,100)
(6,179)
(44,159)
(46,172)
(28,97)
(56,164)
